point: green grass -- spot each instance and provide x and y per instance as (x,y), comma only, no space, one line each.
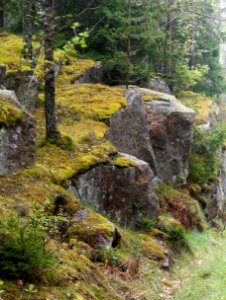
(203,274)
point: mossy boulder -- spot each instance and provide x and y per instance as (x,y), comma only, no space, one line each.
(123,189)
(17,135)
(25,85)
(158,130)
(93,229)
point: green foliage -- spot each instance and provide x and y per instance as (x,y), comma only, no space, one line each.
(176,234)
(203,160)
(146,224)
(185,78)
(107,255)
(79,39)
(23,251)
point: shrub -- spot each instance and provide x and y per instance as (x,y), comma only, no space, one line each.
(145,224)
(23,252)
(107,255)
(173,228)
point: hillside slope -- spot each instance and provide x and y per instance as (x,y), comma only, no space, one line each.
(132,267)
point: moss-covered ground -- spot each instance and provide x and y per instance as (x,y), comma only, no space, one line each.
(130,271)
(200,103)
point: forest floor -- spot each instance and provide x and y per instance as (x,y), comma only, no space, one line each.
(200,274)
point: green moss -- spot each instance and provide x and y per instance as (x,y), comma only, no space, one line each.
(9,114)
(151,248)
(123,162)
(90,101)
(200,103)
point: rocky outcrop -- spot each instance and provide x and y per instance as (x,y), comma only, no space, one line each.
(17,135)
(171,132)
(126,194)
(158,131)
(25,86)
(129,130)
(157,84)
(92,75)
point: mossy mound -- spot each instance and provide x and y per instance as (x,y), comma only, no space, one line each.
(92,228)
(123,162)
(90,101)
(181,206)
(200,103)
(9,113)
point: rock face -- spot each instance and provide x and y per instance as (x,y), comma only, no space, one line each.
(129,130)
(171,133)
(158,132)
(17,140)
(217,194)
(126,194)
(92,75)
(157,84)
(25,86)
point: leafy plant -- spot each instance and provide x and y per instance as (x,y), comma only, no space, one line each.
(31,290)
(107,255)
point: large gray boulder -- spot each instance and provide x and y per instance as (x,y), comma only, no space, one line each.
(124,193)
(129,130)
(17,135)
(92,75)
(158,131)
(171,132)
(25,85)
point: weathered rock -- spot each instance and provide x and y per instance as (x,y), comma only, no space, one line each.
(93,229)
(157,84)
(17,135)
(25,86)
(126,194)
(129,130)
(171,133)
(217,193)
(92,75)
(159,132)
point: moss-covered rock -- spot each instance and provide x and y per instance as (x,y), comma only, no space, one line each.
(93,229)
(9,113)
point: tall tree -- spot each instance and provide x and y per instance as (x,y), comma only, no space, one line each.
(2,8)
(28,23)
(50,107)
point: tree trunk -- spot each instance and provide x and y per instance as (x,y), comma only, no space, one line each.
(2,6)
(2,75)
(192,51)
(28,22)
(50,109)
(129,44)
(169,38)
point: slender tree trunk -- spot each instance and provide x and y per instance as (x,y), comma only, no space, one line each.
(50,110)
(2,7)
(129,44)
(169,38)
(192,51)
(28,22)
